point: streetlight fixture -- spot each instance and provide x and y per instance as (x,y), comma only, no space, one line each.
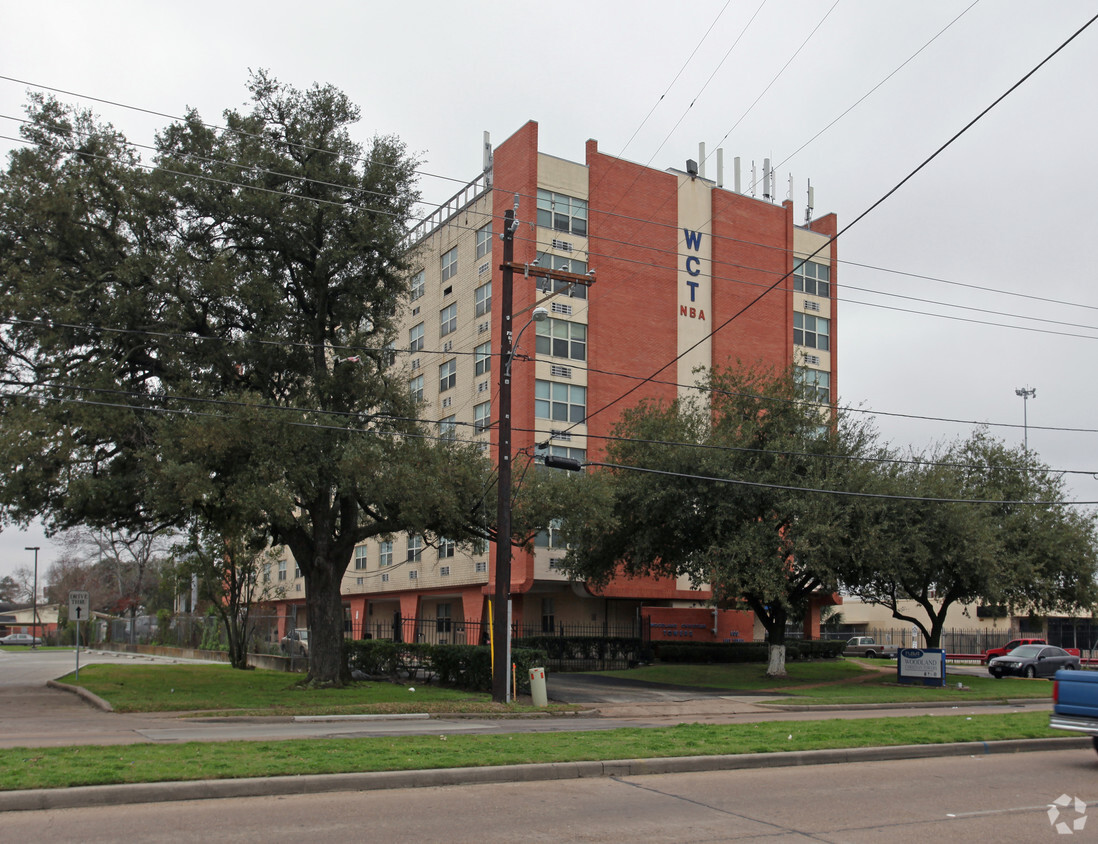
(34,596)
(1026,393)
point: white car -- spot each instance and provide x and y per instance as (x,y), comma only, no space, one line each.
(20,639)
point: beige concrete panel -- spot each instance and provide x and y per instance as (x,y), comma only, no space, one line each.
(560,176)
(694,279)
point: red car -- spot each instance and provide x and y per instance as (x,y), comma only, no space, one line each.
(991,653)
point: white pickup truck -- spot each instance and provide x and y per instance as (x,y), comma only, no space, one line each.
(866,646)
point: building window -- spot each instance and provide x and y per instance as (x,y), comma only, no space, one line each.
(480,566)
(560,402)
(562,213)
(548,617)
(360,557)
(810,331)
(560,338)
(482,299)
(418,284)
(550,538)
(482,416)
(817,382)
(415,548)
(484,241)
(443,571)
(568,265)
(266,572)
(813,278)
(448,320)
(443,618)
(281,569)
(385,555)
(447,428)
(482,356)
(447,375)
(446,548)
(449,264)
(385,577)
(415,387)
(415,338)
(413,575)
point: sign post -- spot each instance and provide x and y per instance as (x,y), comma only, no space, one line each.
(79,604)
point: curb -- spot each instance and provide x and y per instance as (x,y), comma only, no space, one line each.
(116,795)
(932,704)
(81,693)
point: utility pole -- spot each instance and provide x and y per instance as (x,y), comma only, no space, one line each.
(501,608)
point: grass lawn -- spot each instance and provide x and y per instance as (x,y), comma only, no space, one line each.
(62,767)
(840,682)
(206,688)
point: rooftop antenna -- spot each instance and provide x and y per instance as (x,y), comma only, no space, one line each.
(736,174)
(766,179)
(811,203)
(720,167)
(701,159)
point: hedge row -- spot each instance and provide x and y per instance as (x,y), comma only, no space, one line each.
(703,652)
(460,666)
(590,647)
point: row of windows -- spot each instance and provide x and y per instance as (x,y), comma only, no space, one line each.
(562,213)
(811,331)
(448,262)
(817,382)
(810,277)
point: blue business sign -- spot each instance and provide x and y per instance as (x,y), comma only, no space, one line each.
(925,666)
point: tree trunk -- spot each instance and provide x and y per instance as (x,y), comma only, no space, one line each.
(774,622)
(776,666)
(324,609)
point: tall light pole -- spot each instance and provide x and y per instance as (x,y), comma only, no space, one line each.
(1026,393)
(34,596)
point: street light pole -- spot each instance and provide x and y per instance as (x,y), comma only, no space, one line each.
(1026,393)
(34,597)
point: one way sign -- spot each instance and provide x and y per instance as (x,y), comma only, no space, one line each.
(79,605)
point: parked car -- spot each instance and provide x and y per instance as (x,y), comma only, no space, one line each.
(20,639)
(867,646)
(1075,703)
(296,642)
(1032,661)
(991,653)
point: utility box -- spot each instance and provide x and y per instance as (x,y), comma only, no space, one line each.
(537,687)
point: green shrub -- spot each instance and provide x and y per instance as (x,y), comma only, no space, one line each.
(459,666)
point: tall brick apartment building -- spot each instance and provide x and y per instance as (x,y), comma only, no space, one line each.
(673,257)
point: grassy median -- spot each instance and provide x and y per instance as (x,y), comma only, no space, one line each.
(22,768)
(215,688)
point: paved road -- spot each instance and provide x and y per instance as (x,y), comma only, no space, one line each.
(971,798)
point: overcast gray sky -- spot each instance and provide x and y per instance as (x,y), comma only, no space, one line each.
(975,279)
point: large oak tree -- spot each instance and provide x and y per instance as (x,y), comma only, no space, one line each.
(714,487)
(212,337)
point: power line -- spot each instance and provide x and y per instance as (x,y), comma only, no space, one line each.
(846,493)
(651,248)
(861,216)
